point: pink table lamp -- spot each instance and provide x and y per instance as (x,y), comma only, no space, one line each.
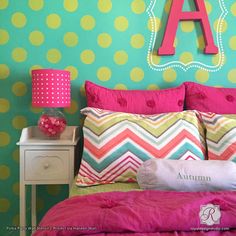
(51,90)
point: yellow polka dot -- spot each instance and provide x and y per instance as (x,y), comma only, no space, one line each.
(104,40)
(19,54)
(232,42)
(15,155)
(4,205)
(120,57)
(137,41)
(233,9)
(186,57)
(39,204)
(138,6)
(18,19)
(34,67)
(53,189)
(136,74)
(71,5)
(4,139)
(200,42)
(154,58)
(53,55)
(104,5)
(202,76)
(19,89)
(53,21)
(120,87)
(36,5)
(104,73)
(4,36)
(4,71)
(218,58)
(121,23)
(73,107)
(82,90)
(208,7)
(87,22)
(3,4)
(4,105)
(152,87)
(36,38)
(19,122)
(71,39)
(220,26)
(175,42)
(167,6)
(187,26)
(73,72)
(154,24)
(169,75)
(4,172)
(36,109)
(231,76)
(16,220)
(15,188)
(87,56)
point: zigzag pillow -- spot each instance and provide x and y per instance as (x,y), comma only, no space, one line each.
(116,143)
(220,136)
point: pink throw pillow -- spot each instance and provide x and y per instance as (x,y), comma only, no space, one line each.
(210,99)
(135,101)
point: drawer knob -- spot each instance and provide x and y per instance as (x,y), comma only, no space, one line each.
(46,165)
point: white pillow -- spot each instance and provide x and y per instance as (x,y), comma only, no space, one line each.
(191,175)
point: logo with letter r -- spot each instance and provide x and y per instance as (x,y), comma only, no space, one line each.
(210,214)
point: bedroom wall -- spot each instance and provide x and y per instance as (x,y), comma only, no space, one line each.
(111,43)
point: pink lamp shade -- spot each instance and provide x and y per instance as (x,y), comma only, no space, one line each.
(50,88)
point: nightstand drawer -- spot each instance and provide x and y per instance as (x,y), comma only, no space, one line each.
(46,165)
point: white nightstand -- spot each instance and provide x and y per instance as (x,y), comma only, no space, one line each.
(44,160)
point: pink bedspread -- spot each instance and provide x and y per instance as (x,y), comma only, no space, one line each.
(143,213)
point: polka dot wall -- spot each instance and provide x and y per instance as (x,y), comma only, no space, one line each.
(105,41)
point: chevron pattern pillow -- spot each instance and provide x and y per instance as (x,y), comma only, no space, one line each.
(220,136)
(117,143)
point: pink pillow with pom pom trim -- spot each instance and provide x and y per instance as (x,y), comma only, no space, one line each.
(135,101)
(210,99)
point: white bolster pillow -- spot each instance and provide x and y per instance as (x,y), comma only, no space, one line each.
(183,175)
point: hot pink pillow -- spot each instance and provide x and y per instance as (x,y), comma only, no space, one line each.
(135,101)
(210,99)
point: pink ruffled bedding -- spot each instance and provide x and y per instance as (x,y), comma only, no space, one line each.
(143,213)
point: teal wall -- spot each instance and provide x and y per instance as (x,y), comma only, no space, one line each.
(112,43)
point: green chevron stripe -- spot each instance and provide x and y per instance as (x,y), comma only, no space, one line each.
(157,131)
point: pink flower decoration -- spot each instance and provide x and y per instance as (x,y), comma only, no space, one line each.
(51,126)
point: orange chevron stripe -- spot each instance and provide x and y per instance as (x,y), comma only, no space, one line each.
(228,152)
(208,115)
(109,176)
(100,152)
(113,170)
(88,172)
(121,174)
(116,173)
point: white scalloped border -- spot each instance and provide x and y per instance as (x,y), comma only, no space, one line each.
(193,64)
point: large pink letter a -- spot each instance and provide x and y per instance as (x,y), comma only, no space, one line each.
(176,14)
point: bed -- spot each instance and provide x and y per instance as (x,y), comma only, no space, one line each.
(164,167)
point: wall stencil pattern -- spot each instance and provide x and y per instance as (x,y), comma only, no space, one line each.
(105,41)
(196,55)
